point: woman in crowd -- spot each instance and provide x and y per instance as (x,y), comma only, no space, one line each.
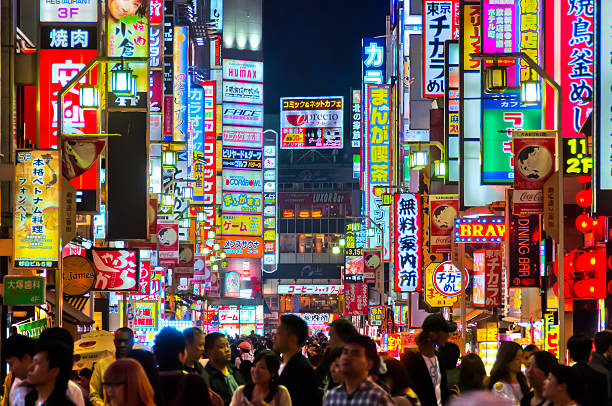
(397,382)
(263,388)
(539,365)
(507,380)
(472,375)
(335,375)
(126,384)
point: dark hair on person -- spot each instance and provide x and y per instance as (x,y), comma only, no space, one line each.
(296,327)
(343,328)
(602,341)
(545,361)
(169,343)
(397,374)
(127,330)
(147,360)
(19,346)
(370,349)
(211,339)
(573,382)
(57,334)
(505,355)
(58,356)
(449,354)
(85,373)
(530,348)
(272,362)
(471,373)
(191,333)
(579,347)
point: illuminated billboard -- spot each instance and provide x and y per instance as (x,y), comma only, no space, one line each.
(312,122)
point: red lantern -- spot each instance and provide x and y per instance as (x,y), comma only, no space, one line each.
(584,179)
(584,223)
(584,198)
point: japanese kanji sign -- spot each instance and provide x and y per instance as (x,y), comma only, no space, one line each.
(142,314)
(242,247)
(353,265)
(407,221)
(355,299)
(24,290)
(36,214)
(432,296)
(356,119)
(116,269)
(82,11)
(309,289)
(68,37)
(242,158)
(249,137)
(312,122)
(241,224)
(487,277)
(447,279)
(377,314)
(471,36)
(499,32)
(242,202)
(439,25)
(181,83)
(524,246)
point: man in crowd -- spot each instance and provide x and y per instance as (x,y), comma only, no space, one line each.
(296,372)
(49,374)
(124,341)
(579,347)
(358,361)
(194,339)
(564,386)
(600,359)
(19,350)
(83,381)
(222,377)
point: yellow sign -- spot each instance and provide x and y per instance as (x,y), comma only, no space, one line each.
(36,222)
(432,297)
(551,334)
(471,36)
(241,224)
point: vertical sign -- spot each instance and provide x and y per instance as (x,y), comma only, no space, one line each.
(196,129)
(36,221)
(407,221)
(499,22)
(181,83)
(355,299)
(443,210)
(551,334)
(471,36)
(487,277)
(438,26)
(524,246)
(451,110)
(356,120)
(530,40)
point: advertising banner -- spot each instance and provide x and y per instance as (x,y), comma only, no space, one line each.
(447,279)
(238,202)
(229,314)
(312,122)
(353,265)
(142,314)
(242,181)
(356,119)
(82,11)
(377,314)
(241,224)
(407,221)
(373,265)
(242,247)
(241,92)
(156,49)
(524,246)
(472,40)
(144,280)
(432,297)
(33,328)
(36,209)
(487,278)
(116,269)
(500,32)
(242,137)
(244,71)
(439,26)
(309,289)
(443,210)
(534,164)
(243,114)
(551,334)
(181,83)
(235,158)
(168,241)
(355,299)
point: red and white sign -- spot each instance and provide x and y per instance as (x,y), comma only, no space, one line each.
(168,241)
(355,299)
(443,210)
(373,265)
(316,319)
(309,289)
(534,163)
(250,137)
(229,314)
(447,279)
(116,270)
(156,14)
(407,221)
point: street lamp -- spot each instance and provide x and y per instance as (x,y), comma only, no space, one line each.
(121,79)
(439,169)
(418,159)
(89,97)
(335,250)
(496,79)
(201,216)
(168,158)
(531,92)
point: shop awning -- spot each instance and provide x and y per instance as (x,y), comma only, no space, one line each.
(473,316)
(69,310)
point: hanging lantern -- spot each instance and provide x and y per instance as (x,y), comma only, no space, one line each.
(201,216)
(496,79)
(211,234)
(531,93)
(216,247)
(168,200)
(439,169)
(168,158)
(121,79)
(187,192)
(89,97)
(584,223)
(584,198)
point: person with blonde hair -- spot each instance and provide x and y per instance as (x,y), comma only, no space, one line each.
(126,384)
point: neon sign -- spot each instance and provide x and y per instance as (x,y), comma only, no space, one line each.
(483,229)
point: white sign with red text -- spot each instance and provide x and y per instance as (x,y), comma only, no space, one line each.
(309,289)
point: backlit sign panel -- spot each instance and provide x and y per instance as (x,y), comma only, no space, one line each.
(235,158)
(242,181)
(243,114)
(439,25)
(249,137)
(242,247)
(309,289)
(82,11)
(244,71)
(240,92)
(407,221)
(181,83)
(312,122)
(485,229)
(241,224)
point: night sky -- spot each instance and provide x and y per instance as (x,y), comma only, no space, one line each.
(313,48)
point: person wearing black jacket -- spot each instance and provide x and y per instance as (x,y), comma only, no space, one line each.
(297,375)
(579,347)
(424,366)
(221,375)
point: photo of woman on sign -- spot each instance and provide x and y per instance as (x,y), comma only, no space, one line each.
(117,9)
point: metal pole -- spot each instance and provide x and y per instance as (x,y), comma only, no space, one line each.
(461,252)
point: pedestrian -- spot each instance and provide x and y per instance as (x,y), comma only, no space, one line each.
(424,365)
(63,336)
(472,375)
(579,348)
(49,374)
(297,375)
(126,384)
(124,341)
(563,387)
(449,354)
(19,351)
(83,379)
(244,360)
(315,355)
(340,330)
(194,339)
(263,387)
(507,380)
(540,364)
(397,381)
(527,351)
(600,359)
(177,386)
(335,376)
(358,361)
(146,359)
(222,376)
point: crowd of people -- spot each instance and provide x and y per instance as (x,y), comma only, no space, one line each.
(291,368)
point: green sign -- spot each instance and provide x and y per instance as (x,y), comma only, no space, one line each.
(500,117)
(33,328)
(406,168)
(24,290)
